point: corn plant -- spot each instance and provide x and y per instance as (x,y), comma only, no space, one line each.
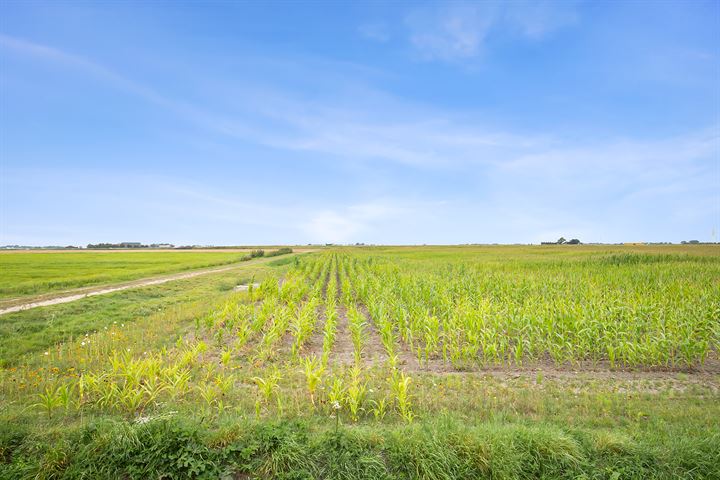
(209,393)
(336,391)
(400,387)
(51,399)
(379,408)
(225,357)
(313,370)
(304,324)
(355,394)
(131,398)
(268,386)
(177,383)
(357,326)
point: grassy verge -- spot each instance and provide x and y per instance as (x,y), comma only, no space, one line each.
(179,446)
(27,274)
(38,329)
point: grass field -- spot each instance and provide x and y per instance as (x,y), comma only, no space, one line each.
(412,362)
(32,273)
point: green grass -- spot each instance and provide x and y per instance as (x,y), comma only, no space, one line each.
(39,273)
(38,329)
(503,444)
(192,380)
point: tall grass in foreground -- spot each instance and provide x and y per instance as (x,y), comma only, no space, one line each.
(444,450)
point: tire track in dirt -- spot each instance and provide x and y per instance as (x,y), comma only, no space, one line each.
(343,351)
(73,295)
(373,350)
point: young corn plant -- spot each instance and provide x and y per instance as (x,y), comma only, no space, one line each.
(432,336)
(131,399)
(209,393)
(379,408)
(400,387)
(267,387)
(355,394)
(357,332)
(336,392)
(304,324)
(177,383)
(393,362)
(313,370)
(225,357)
(51,399)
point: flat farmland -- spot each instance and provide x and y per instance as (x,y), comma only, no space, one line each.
(36,273)
(384,362)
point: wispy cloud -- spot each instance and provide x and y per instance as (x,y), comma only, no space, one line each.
(369,124)
(122,82)
(457,31)
(537,18)
(503,183)
(51,54)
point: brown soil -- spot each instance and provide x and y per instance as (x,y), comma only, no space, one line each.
(406,358)
(547,367)
(343,351)
(373,350)
(630,382)
(283,347)
(314,344)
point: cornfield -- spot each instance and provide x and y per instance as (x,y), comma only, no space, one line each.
(344,332)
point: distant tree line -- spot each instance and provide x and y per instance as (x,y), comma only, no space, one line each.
(128,245)
(562,241)
(261,253)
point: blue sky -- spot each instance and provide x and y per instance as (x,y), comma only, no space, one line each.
(398,122)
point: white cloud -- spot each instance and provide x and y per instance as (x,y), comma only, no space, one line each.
(386,129)
(349,223)
(456,31)
(451,32)
(537,18)
(331,227)
(618,161)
